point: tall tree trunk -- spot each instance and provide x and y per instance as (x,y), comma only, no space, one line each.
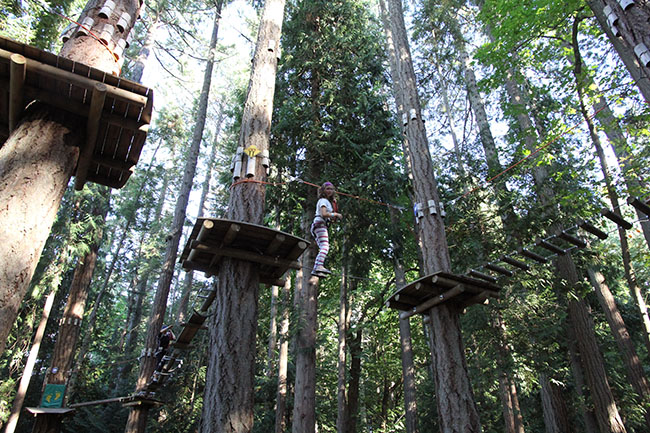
(273,332)
(341,395)
(636,375)
(456,406)
(36,164)
(635,29)
(509,397)
(408,367)
(25,379)
(138,416)
(283,359)
(189,276)
(354,382)
(229,391)
(555,412)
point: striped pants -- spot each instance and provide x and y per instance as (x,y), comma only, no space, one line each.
(319,232)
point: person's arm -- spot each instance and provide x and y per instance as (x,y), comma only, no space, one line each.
(326,214)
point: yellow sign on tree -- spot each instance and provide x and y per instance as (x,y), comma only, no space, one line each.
(252,151)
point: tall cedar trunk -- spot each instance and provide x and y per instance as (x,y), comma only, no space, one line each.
(273,332)
(634,27)
(304,405)
(205,189)
(635,374)
(283,359)
(621,149)
(341,395)
(553,407)
(408,368)
(138,416)
(147,47)
(70,325)
(354,382)
(19,399)
(92,318)
(623,154)
(509,396)
(36,164)
(456,407)
(566,269)
(605,408)
(229,391)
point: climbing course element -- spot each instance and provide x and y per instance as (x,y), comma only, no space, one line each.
(116,112)
(213,239)
(421,295)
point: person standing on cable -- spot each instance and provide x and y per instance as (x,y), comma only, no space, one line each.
(326,213)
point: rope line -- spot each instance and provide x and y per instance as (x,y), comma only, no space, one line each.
(357,197)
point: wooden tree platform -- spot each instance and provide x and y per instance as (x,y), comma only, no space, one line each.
(117,112)
(213,239)
(427,292)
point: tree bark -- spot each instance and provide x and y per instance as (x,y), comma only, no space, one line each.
(36,164)
(635,29)
(456,406)
(553,407)
(341,395)
(283,360)
(229,392)
(635,374)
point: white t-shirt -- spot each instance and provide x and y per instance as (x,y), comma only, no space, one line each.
(323,202)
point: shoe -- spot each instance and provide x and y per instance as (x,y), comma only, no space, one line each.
(321,271)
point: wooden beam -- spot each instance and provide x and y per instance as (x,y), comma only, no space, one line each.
(78,80)
(618,219)
(105,401)
(455,291)
(92,129)
(499,269)
(514,262)
(278,240)
(572,239)
(247,255)
(551,247)
(437,280)
(297,250)
(204,231)
(231,234)
(639,205)
(481,275)
(592,229)
(405,299)
(398,305)
(17,68)
(532,255)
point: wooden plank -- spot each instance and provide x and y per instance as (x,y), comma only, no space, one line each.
(92,129)
(398,305)
(246,255)
(616,218)
(427,305)
(499,269)
(16,89)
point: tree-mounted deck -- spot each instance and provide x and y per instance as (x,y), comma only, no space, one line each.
(427,292)
(213,239)
(117,112)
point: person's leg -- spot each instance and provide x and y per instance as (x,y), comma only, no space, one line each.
(322,239)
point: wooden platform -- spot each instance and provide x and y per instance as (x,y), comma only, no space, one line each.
(435,289)
(213,239)
(117,112)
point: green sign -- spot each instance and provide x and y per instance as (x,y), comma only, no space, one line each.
(53,395)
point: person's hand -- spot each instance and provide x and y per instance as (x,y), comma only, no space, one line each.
(337,216)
